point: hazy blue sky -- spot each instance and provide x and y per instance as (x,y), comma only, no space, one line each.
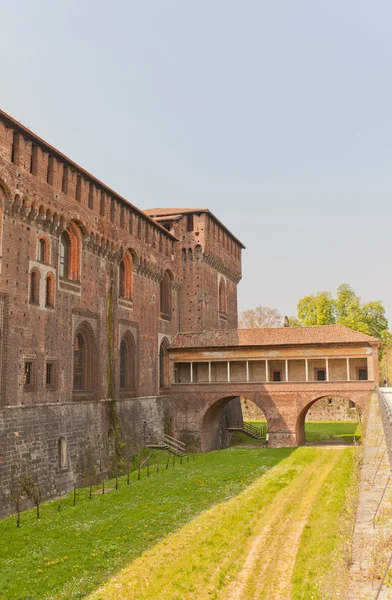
(276,115)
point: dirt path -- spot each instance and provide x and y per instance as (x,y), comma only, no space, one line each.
(242,549)
(268,567)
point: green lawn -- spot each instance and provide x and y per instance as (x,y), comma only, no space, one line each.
(67,554)
(246,547)
(344,431)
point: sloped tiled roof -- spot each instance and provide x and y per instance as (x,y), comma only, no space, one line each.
(274,336)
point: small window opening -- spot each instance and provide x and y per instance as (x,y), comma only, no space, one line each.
(33,159)
(112,210)
(362,374)
(49,292)
(42,250)
(189,222)
(102,205)
(91,195)
(64,255)
(63,454)
(15,141)
(78,187)
(28,374)
(50,375)
(49,174)
(34,287)
(321,375)
(64,183)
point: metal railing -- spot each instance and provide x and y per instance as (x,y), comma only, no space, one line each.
(251,430)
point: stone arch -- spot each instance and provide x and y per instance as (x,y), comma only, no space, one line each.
(214,421)
(84,352)
(222,296)
(127,363)
(43,249)
(70,252)
(358,398)
(49,290)
(35,277)
(126,276)
(165,295)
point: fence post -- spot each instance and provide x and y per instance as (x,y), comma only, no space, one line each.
(18,511)
(381,499)
(383,578)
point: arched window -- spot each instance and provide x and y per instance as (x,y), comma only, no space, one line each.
(49,291)
(165,296)
(127,363)
(63,454)
(34,287)
(70,252)
(222,297)
(83,360)
(125,276)
(43,250)
(164,364)
(64,255)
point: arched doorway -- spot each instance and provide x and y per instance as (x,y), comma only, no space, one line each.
(329,419)
(224,419)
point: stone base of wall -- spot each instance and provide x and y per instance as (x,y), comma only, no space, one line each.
(332,409)
(325,409)
(29,442)
(282,439)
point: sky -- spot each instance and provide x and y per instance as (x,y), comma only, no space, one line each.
(277,116)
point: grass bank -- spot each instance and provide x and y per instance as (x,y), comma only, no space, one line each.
(246,548)
(66,554)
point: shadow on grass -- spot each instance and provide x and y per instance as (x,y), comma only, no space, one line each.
(68,553)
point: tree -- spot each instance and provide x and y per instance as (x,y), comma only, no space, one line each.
(347,309)
(316,310)
(261,316)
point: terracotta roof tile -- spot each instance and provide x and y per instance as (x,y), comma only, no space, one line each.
(274,336)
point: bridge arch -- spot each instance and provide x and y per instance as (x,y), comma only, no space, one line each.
(219,416)
(300,423)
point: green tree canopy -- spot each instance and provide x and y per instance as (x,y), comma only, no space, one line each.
(346,309)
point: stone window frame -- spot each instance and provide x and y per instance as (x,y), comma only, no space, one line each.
(32,385)
(43,242)
(163,364)
(165,296)
(50,290)
(222,298)
(88,382)
(125,277)
(54,383)
(62,448)
(34,286)
(128,342)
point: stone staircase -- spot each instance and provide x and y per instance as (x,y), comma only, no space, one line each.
(257,433)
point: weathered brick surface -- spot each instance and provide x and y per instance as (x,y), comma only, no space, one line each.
(196,408)
(42,193)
